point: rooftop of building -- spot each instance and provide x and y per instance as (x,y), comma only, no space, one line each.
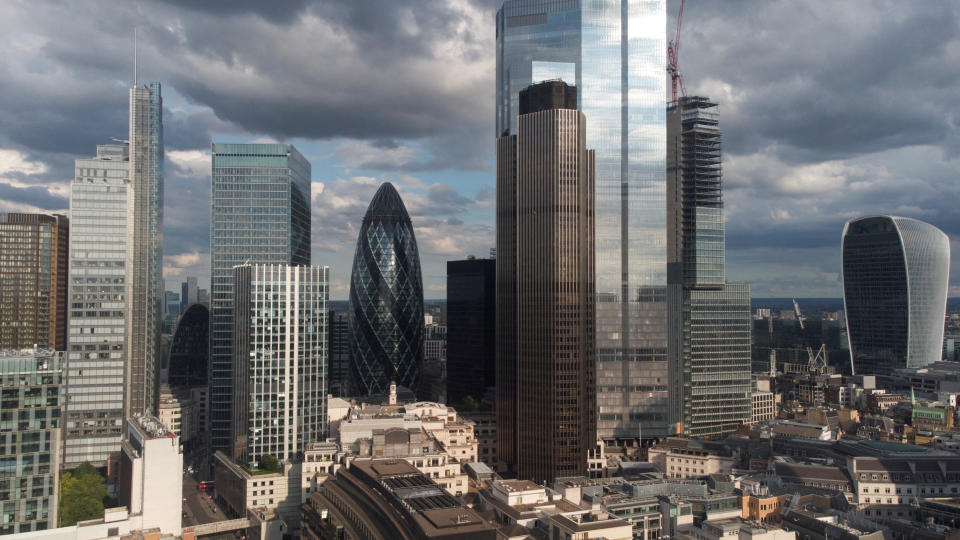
(151,427)
(434,510)
(588,521)
(513,486)
(811,472)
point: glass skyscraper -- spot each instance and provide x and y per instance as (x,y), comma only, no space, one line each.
(709,319)
(614,52)
(94,372)
(145,294)
(260,198)
(280,346)
(895,278)
(386,299)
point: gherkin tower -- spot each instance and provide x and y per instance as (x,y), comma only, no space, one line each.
(386,299)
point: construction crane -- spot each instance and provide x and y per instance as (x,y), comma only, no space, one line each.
(673,50)
(816,363)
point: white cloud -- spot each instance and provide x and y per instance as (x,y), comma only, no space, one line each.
(195,163)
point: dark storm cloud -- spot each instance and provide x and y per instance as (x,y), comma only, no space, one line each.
(33,196)
(829,109)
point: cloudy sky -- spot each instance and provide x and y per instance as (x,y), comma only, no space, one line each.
(830,110)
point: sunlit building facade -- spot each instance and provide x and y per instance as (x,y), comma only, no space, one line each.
(260,200)
(280,372)
(386,299)
(33,281)
(96,357)
(895,278)
(614,52)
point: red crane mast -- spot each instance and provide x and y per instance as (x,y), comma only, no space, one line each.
(673,50)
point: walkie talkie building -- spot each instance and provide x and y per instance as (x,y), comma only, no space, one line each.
(895,278)
(386,299)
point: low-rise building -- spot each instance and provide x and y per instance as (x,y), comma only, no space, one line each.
(764,407)
(688,461)
(904,480)
(176,412)
(386,499)
(240,489)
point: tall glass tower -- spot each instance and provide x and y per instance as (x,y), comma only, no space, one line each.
(614,52)
(710,324)
(260,214)
(386,299)
(145,295)
(895,279)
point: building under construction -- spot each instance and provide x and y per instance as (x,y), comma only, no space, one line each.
(709,319)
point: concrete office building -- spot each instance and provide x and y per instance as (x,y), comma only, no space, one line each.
(895,278)
(151,474)
(709,319)
(33,281)
(260,215)
(546,415)
(30,437)
(386,299)
(96,348)
(144,265)
(280,347)
(614,53)
(471,328)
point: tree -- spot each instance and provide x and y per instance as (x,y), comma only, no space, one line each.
(470,403)
(81,495)
(269,462)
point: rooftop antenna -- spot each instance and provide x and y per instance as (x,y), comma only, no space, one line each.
(134,56)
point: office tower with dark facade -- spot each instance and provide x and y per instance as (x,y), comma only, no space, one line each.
(96,347)
(895,278)
(144,292)
(30,437)
(280,346)
(338,384)
(613,51)
(33,281)
(546,415)
(471,328)
(386,299)
(709,319)
(260,214)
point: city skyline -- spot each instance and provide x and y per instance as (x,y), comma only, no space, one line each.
(783,172)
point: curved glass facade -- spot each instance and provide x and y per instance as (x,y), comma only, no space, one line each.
(189,351)
(386,298)
(895,278)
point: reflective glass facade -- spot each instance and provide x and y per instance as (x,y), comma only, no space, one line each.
(145,251)
(616,51)
(386,299)
(895,279)
(471,328)
(94,372)
(31,386)
(189,349)
(260,197)
(280,346)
